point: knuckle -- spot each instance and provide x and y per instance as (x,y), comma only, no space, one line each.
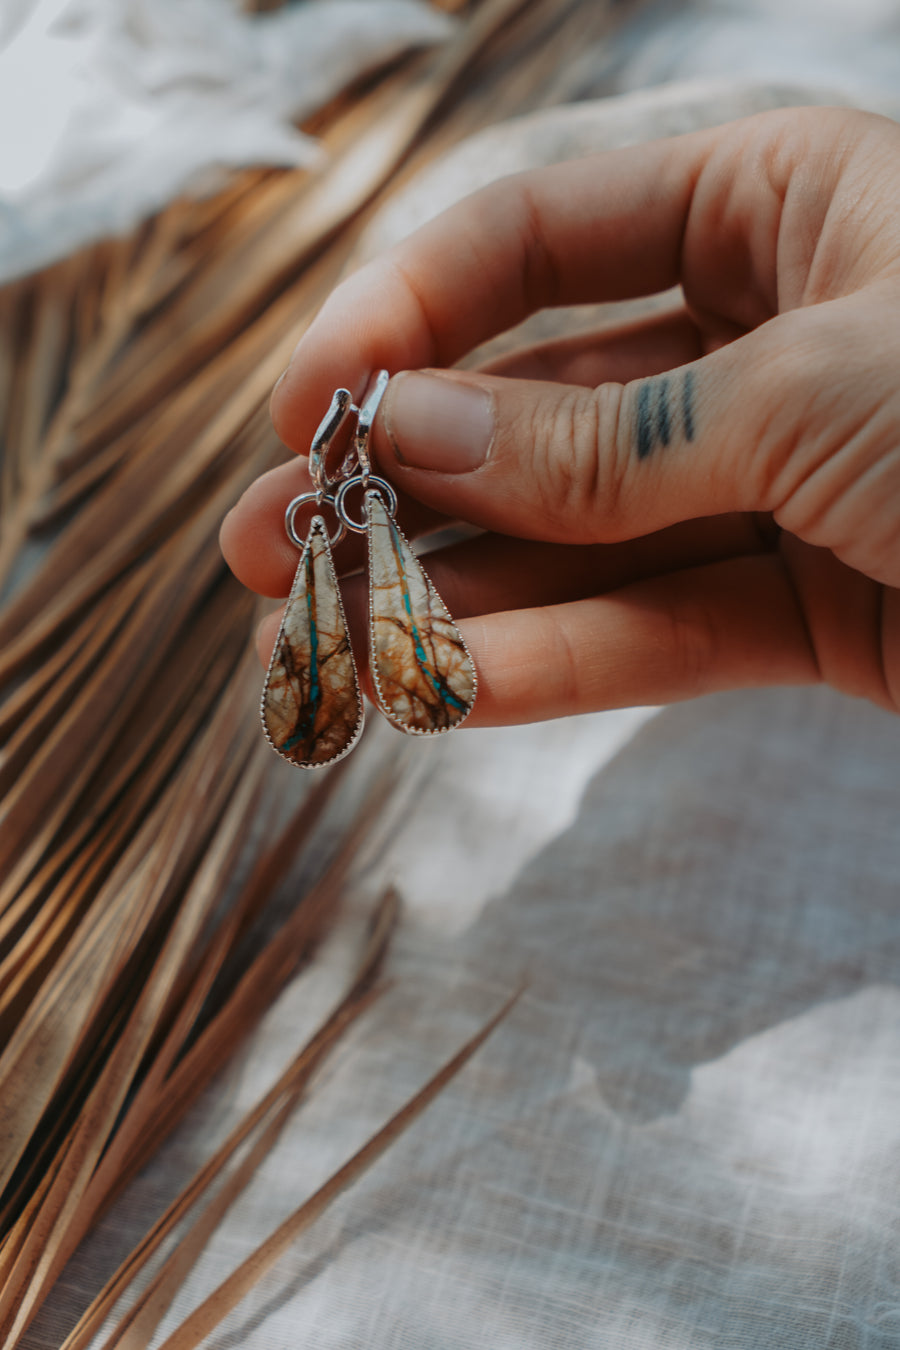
(576,444)
(793,419)
(830,416)
(568,664)
(408,299)
(693,643)
(540,272)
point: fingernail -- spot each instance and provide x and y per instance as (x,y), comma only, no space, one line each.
(439,423)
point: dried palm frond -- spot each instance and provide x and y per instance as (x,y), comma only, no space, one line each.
(239,1283)
(133,789)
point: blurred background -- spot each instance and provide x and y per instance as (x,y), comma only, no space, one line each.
(684,1132)
(111,107)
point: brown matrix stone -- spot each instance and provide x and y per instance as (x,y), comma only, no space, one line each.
(311,706)
(423,676)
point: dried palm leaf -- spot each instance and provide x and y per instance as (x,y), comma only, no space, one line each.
(269,1115)
(229,1293)
(133,382)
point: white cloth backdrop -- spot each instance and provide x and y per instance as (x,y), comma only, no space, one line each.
(687,1134)
(109,108)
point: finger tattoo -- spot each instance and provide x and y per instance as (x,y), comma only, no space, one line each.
(664,410)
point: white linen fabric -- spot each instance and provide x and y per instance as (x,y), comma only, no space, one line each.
(110,108)
(685,1135)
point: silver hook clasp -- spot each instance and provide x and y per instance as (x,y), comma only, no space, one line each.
(341,407)
(358,460)
(364,420)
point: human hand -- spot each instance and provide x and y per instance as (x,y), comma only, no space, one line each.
(632,484)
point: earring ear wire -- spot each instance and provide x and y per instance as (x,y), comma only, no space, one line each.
(341,407)
(366,414)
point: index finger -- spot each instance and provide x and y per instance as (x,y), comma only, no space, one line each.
(604,228)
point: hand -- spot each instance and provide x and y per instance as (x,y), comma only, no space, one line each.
(706,499)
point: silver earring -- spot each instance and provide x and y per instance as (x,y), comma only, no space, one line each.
(423,676)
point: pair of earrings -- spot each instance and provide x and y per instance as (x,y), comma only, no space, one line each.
(422,675)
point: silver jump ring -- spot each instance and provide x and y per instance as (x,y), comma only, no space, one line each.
(371,483)
(294,507)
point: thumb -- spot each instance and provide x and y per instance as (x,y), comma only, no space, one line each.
(730,432)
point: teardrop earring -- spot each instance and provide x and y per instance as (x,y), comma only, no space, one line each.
(423,676)
(311,706)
